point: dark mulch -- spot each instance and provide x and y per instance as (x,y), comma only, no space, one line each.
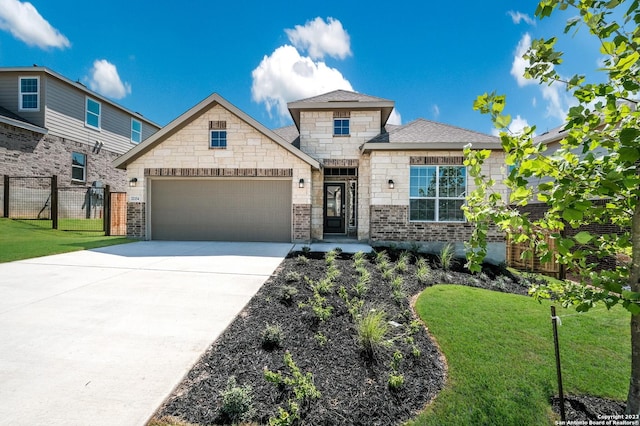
(354,388)
(584,408)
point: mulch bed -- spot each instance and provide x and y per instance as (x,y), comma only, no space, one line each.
(354,387)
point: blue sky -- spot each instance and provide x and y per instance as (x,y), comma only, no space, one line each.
(432,58)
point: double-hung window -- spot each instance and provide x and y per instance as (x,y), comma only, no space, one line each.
(437,193)
(92,114)
(136,131)
(78,167)
(29,88)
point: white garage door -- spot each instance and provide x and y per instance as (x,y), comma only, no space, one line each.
(221,210)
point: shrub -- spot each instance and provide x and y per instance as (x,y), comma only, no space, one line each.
(402,265)
(372,329)
(292,276)
(272,336)
(396,381)
(321,338)
(302,260)
(359,259)
(237,402)
(288,294)
(446,256)
(387,272)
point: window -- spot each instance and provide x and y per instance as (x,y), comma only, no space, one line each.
(78,167)
(93,113)
(437,193)
(29,93)
(218,139)
(341,127)
(136,131)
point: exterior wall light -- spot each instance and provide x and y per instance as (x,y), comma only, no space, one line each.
(133,182)
(301,183)
(391,184)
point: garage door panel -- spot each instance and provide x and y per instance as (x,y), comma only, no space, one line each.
(221,210)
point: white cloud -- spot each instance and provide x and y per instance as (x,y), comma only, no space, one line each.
(24,22)
(516,126)
(518,17)
(436,112)
(395,118)
(285,75)
(519,63)
(105,80)
(320,38)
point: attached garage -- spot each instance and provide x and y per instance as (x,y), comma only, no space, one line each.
(221,209)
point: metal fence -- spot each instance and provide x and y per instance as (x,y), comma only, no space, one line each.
(77,208)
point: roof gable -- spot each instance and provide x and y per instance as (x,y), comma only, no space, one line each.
(342,96)
(184,119)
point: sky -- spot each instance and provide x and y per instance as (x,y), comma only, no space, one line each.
(432,58)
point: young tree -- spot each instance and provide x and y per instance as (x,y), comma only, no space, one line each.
(592,178)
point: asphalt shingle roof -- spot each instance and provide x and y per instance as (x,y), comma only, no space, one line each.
(425,131)
(342,96)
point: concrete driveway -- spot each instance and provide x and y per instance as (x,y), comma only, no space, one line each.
(101,337)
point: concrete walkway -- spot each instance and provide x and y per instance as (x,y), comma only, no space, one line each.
(101,337)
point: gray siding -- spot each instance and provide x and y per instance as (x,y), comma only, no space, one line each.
(66,118)
(9,96)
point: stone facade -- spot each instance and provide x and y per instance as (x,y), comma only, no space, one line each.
(27,153)
(302,222)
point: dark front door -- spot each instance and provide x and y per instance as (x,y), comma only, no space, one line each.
(334,208)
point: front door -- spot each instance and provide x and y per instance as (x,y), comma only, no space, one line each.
(334,208)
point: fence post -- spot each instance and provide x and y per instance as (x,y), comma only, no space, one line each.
(107,211)
(54,201)
(5,211)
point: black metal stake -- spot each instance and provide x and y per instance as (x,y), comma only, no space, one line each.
(554,320)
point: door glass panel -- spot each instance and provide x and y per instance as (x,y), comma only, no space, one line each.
(334,200)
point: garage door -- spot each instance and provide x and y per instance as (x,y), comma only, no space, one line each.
(221,210)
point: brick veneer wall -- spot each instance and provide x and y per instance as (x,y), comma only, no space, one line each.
(136,220)
(27,153)
(302,222)
(391,223)
(537,211)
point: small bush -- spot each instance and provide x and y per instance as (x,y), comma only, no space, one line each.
(396,381)
(359,259)
(272,337)
(302,260)
(292,276)
(402,265)
(321,338)
(372,330)
(387,273)
(237,402)
(288,294)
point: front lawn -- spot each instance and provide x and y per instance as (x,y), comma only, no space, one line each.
(25,240)
(499,349)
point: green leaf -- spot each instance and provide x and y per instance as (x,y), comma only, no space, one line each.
(628,154)
(502,121)
(583,237)
(627,62)
(571,215)
(629,135)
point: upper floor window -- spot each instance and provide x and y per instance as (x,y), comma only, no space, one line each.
(93,113)
(136,131)
(29,93)
(341,123)
(78,167)
(218,134)
(218,139)
(437,193)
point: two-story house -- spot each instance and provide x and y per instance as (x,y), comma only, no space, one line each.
(50,125)
(340,171)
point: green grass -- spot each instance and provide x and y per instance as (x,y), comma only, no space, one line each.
(499,349)
(27,239)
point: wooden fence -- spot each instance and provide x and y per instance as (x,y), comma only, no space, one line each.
(531,262)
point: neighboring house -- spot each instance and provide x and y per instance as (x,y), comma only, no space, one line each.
(50,125)
(340,171)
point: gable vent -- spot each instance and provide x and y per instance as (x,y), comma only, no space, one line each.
(341,114)
(217,125)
